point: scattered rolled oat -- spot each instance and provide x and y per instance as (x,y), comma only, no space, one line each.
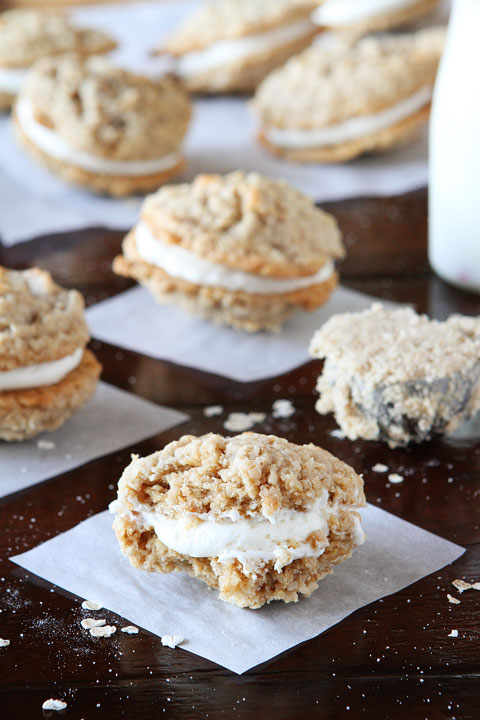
(453,600)
(90,605)
(380,468)
(45,444)
(283,409)
(453,633)
(339,434)
(129,629)
(172,641)
(212,410)
(476,586)
(104,631)
(4,643)
(89,623)
(53,704)
(395,478)
(239,421)
(461,585)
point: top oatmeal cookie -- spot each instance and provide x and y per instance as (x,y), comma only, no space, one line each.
(247,222)
(231,19)
(332,84)
(250,475)
(39,320)
(107,111)
(27,35)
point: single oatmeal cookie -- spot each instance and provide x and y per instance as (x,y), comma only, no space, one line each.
(359,17)
(46,373)
(28,35)
(240,249)
(396,376)
(230,45)
(102,127)
(254,516)
(336,101)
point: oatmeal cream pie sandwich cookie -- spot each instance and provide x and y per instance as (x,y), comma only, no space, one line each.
(230,45)
(396,376)
(46,372)
(359,17)
(28,35)
(255,516)
(101,127)
(240,250)
(336,101)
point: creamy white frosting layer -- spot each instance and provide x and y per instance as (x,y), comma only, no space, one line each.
(11,79)
(280,538)
(237,49)
(350,129)
(181,263)
(55,146)
(40,374)
(334,13)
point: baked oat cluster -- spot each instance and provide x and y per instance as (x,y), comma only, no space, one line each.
(252,250)
(28,35)
(41,325)
(255,516)
(108,114)
(229,46)
(396,376)
(341,82)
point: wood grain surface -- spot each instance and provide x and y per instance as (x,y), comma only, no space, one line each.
(392,659)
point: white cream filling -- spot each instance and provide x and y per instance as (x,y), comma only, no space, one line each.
(11,79)
(351,129)
(40,374)
(238,49)
(281,538)
(181,263)
(335,13)
(52,144)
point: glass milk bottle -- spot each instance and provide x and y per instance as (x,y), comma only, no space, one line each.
(454,196)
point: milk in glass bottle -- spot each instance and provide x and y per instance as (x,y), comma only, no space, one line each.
(454,199)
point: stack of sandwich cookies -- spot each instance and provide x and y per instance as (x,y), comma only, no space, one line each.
(254,516)
(241,250)
(350,99)
(45,371)
(230,45)
(359,17)
(101,127)
(396,376)
(28,35)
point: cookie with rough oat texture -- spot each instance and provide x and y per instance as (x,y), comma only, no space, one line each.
(396,376)
(255,516)
(101,127)
(28,35)
(336,101)
(46,373)
(365,16)
(230,45)
(238,249)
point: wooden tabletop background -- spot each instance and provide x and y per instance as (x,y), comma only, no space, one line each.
(392,659)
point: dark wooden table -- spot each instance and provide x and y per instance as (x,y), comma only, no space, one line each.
(392,659)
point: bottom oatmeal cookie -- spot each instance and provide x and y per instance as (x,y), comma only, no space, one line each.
(255,516)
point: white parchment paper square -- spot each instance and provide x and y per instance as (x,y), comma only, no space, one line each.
(221,139)
(87,561)
(111,420)
(134,320)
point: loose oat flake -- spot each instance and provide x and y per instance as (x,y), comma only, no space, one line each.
(453,633)
(104,631)
(380,468)
(453,600)
(172,641)
(53,704)
(89,623)
(212,410)
(461,585)
(45,444)
(4,643)
(90,605)
(130,630)
(239,422)
(395,478)
(283,408)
